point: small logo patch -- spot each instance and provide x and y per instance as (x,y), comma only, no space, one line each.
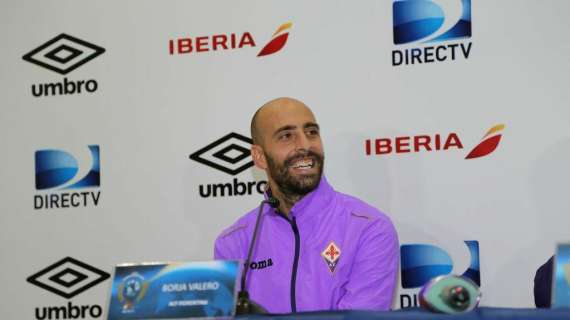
(331,254)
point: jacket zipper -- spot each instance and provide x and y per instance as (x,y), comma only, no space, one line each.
(293,224)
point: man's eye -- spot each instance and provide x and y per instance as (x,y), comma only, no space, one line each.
(313,132)
(285,136)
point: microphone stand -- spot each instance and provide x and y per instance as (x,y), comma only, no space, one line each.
(244,304)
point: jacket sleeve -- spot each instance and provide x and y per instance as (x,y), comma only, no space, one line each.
(375,269)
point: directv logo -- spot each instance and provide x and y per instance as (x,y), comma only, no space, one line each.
(422,262)
(55,168)
(425,20)
(430,21)
(58,169)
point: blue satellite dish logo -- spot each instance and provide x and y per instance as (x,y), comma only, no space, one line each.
(431,20)
(422,262)
(57,168)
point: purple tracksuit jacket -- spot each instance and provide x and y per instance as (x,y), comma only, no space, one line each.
(332,252)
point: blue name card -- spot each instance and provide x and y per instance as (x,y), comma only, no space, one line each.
(561,275)
(174,290)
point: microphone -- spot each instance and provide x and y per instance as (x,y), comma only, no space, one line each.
(450,294)
(272,202)
(244,304)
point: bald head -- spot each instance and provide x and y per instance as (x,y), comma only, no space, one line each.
(273,111)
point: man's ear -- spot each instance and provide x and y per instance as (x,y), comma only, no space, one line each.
(258,157)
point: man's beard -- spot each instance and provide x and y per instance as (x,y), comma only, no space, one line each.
(292,186)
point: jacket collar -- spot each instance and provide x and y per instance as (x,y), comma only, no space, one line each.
(315,202)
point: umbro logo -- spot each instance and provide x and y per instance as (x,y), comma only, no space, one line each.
(230,154)
(68,277)
(63,54)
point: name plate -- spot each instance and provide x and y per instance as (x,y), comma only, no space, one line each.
(174,290)
(561,277)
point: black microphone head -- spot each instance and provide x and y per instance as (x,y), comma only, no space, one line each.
(450,294)
(273,202)
(457,297)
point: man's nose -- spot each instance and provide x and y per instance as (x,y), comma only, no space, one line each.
(303,142)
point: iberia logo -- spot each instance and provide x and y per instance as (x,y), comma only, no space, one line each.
(278,40)
(229,41)
(434,142)
(490,142)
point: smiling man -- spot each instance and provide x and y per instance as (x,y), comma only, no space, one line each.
(320,249)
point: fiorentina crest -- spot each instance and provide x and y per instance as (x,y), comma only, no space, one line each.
(331,254)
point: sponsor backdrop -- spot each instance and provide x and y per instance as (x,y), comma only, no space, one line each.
(125,134)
